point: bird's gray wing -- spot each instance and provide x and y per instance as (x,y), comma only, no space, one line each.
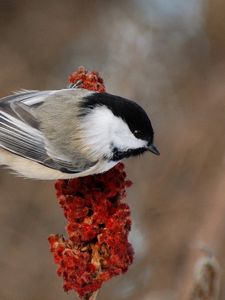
(20,132)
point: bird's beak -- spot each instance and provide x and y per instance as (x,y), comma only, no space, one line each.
(152,148)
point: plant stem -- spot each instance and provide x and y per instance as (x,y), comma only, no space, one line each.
(92,297)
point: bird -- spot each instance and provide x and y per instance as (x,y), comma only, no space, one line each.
(70,133)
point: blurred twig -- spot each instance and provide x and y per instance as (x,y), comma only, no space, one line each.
(206,279)
(205,282)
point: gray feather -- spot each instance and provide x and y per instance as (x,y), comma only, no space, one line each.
(37,125)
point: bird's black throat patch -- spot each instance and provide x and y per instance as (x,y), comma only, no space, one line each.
(118,155)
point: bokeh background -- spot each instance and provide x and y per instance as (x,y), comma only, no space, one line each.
(169,55)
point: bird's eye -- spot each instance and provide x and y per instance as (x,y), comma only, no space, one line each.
(137,133)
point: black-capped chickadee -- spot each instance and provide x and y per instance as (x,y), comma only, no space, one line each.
(70,133)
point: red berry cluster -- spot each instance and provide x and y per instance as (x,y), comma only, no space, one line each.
(97,247)
(87,80)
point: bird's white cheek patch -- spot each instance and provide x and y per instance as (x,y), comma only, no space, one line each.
(102,129)
(124,139)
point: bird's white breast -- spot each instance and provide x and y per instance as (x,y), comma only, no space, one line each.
(32,169)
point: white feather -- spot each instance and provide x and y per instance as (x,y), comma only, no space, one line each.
(103,130)
(26,128)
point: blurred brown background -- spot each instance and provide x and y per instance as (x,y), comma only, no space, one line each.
(170,56)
